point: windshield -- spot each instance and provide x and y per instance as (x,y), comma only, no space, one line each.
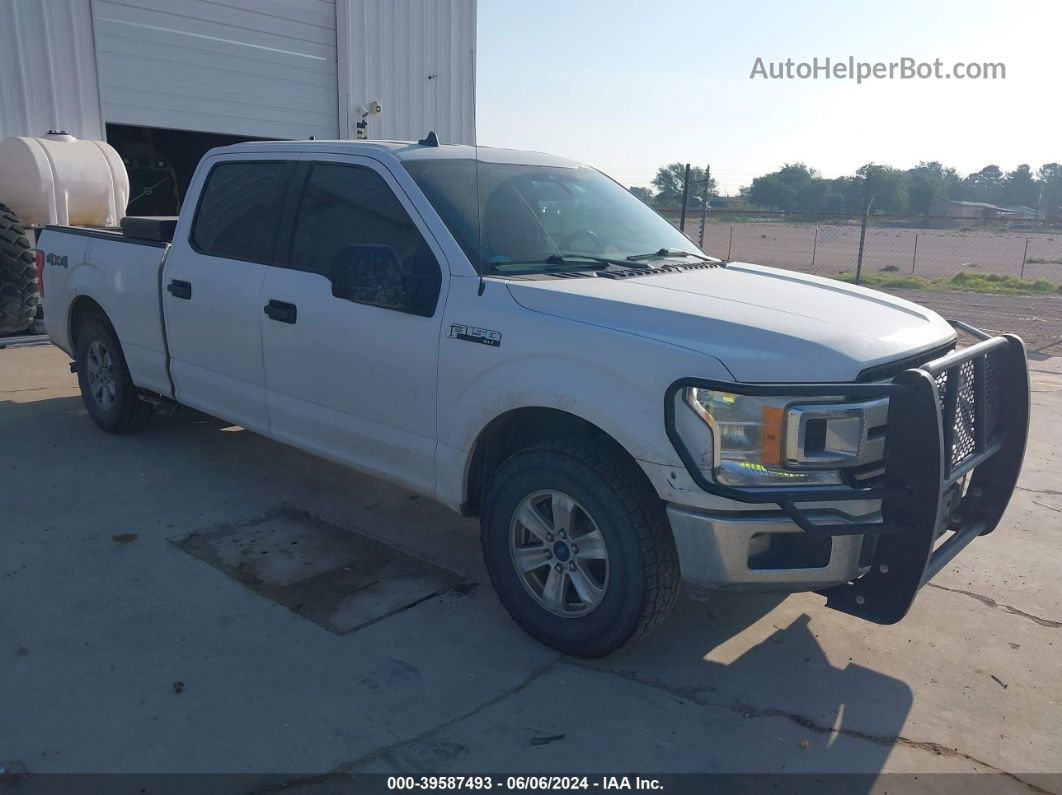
(537,218)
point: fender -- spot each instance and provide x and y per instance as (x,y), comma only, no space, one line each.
(626,405)
(127,290)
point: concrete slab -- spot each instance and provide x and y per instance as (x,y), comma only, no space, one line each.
(339,579)
(101,616)
(616,723)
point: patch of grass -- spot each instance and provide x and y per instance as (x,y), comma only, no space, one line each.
(880,280)
(1040,261)
(965,282)
(890,269)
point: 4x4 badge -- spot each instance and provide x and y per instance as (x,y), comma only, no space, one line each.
(484,336)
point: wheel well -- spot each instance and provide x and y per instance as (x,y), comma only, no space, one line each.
(520,428)
(82,307)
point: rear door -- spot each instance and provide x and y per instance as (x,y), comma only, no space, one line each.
(212,286)
(354,380)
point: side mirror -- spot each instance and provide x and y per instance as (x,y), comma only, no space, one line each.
(369,274)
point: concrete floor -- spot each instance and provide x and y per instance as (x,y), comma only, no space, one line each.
(105,606)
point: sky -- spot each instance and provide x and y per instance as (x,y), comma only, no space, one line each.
(629,86)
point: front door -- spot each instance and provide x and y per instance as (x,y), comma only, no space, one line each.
(353,377)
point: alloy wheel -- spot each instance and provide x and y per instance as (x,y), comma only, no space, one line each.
(559,553)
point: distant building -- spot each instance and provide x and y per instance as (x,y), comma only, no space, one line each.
(968,210)
(1020,213)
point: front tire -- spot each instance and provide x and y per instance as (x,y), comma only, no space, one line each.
(578,547)
(109,395)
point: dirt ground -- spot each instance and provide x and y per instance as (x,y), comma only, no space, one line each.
(1037,319)
(188,599)
(829,249)
(833,249)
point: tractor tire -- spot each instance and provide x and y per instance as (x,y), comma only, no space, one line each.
(19,294)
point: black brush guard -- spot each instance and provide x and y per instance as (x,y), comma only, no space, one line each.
(960,419)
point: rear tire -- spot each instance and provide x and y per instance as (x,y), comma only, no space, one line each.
(18,276)
(109,395)
(542,504)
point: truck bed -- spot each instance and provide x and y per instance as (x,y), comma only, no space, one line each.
(120,274)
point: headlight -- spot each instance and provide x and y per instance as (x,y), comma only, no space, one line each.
(787,441)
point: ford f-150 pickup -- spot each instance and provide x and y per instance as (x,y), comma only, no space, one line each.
(522,339)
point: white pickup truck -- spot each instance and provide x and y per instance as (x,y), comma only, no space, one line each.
(520,338)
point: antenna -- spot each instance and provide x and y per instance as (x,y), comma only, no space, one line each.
(431,139)
(479,227)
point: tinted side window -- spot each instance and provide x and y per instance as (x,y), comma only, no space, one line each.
(345,205)
(239,211)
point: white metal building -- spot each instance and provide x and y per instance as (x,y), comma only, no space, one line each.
(176,77)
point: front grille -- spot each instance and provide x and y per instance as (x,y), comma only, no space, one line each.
(963,442)
(992,407)
(960,410)
(872,475)
(961,431)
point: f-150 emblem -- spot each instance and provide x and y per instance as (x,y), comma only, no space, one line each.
(484,336)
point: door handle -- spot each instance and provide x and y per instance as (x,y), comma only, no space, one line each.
(282,311)
(179,289)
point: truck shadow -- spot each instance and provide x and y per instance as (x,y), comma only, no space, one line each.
(743,653)
(720,689)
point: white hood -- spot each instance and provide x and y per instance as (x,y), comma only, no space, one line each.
(764,324)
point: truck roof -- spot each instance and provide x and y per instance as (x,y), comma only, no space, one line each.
(404,150)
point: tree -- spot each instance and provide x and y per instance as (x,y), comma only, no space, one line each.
(884,188)
(928,183)
(808,184)
(843,196)
(1050,175)
(645,194)
(795,186)
(1020,187)
(668,184)
(985,185)
(772,192)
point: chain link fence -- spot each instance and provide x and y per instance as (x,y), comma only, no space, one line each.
(1002,274)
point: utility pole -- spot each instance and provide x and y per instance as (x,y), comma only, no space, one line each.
(704,204)
(863,229)
(685,198)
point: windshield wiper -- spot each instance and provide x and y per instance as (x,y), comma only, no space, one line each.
(560,263)
(565,257)
(668,252)
(573,259)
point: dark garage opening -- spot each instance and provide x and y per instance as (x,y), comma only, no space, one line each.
(161,162)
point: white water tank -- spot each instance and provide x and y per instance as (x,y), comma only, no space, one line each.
(57,179)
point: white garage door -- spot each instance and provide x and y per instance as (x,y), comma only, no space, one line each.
(244,67)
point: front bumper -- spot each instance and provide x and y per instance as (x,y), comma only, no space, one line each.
(734,551)
(954,444)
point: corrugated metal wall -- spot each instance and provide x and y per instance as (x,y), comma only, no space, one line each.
(48,69)
(267,68)
(417,57)
(245,67)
